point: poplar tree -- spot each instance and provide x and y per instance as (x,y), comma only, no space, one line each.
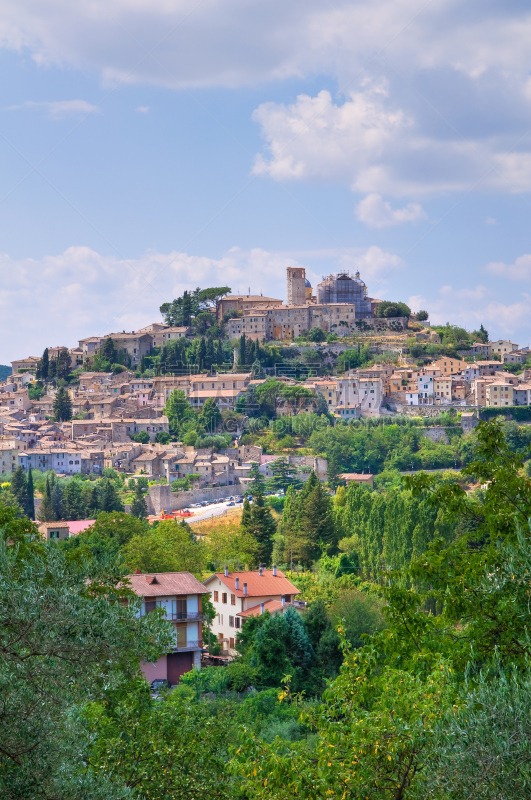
(46,510)
(57,501)
(19,488)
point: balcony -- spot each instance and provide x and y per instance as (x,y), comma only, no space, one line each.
(185,616)
(192,645)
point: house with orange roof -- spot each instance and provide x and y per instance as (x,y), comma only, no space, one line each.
(236,596)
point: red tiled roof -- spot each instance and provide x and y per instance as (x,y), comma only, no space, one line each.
(159,584)
(79,525)
(255,611)
(257,585)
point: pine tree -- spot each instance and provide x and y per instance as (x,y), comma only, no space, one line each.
(73,505)
(139,505)
(57,501)
(263,528)
(318,523)
(186,310)
(62,405)
(30,496)
(108,351)
(257,479)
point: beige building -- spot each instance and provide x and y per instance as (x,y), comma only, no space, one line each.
(502,346)
(25,364)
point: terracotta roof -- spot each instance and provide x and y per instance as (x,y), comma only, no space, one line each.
(356,476)
(165,584)
(79,525)
(255,611)
(257,585)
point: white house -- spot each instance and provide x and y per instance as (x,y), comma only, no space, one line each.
(238,595)
(426,389)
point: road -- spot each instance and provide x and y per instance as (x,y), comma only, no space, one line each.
(214,510)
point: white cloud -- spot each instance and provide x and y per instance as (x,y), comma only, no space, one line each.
(519,271)
(475,306)
(375,212)
(60,299)
(490,221)
(374,146)
(59,109)
(143,109)
(233,42)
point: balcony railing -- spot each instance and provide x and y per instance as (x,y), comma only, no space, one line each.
(192,645)
(185,616)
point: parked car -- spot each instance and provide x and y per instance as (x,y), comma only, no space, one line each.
(159,684)
(232,503)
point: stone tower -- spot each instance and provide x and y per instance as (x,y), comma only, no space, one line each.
(296,286)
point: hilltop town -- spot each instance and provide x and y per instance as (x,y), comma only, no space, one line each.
(233,360)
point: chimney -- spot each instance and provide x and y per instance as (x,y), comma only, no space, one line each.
(137,571)
(245,589)
(283,600)
(260,571)
(237,584)
(274,570)
(261,608)
(226,571)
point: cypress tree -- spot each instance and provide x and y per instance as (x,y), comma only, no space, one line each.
(46,511)
(209,353)
(219,353)
(139,505)
(19,488)
(242,353)
(44,364)
(201,357)
(245,522)
(30,496)
(57,501)
(109,497)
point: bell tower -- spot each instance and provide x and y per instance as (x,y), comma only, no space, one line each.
(296,286)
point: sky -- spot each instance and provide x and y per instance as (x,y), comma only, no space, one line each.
(152,146)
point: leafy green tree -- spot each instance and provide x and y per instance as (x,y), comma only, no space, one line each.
(387,308)
(108,351)
(62,405)
(169,547)
(282,647)
(63,364)
(64,640)
(422,315)
(482,335)
(139,505)
(36,390)
(210,414)
(142,437)
(105,538)
(171,749)
(109,500)
(163,437)
(316,335)
(178,409)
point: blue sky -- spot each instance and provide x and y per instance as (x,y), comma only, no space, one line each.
(148,146)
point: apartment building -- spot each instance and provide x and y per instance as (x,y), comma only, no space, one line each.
(502,346)
(179,595)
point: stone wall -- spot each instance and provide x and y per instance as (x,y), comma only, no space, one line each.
(161,497)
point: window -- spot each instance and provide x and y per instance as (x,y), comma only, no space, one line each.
(238,622)
(231,622)
(231,644)
(233,599)
(224,597)
(216,597)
